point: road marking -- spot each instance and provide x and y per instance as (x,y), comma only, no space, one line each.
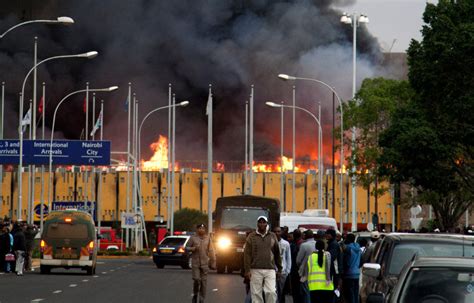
(112,270)
(2,273)
(57,291)
(99,262)
(85,280)
(215,289)
(72,285)
(95,276)
(37,300)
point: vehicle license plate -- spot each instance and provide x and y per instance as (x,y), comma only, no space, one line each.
(240,249)
(166,251)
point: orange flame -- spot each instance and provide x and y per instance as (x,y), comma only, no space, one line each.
(159,160)
(220,166)
(287,166)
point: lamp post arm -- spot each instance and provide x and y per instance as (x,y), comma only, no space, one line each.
(25,23)
(305,110)
(323,83)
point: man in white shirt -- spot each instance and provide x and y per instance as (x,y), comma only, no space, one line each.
(285,263)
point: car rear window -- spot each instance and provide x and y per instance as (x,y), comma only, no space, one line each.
(173,241)
(439,284)
(403,252)
(67,231)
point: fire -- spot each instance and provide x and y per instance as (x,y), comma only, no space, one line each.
(287,166)
(159,160)
(220,166)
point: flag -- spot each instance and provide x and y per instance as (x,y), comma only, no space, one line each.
(85,105)
(209,104)
(26,120)
(126,104)
(41,105)
(98,123)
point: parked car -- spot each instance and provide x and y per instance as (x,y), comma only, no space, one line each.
(397,249)
(172,251)
(434,280)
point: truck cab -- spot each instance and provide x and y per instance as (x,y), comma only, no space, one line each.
(110,239)
(235,218)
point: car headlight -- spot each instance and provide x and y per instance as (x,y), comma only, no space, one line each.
(154,249)
(224,243)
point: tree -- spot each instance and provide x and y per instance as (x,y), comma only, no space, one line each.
(370,113)
(186,219)
(429,143)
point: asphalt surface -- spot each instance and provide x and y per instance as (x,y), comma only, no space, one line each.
(117,280)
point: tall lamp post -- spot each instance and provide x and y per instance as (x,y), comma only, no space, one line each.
(59,20)
(341,189)
(354,20)
(87,55)
(320,152)
(50,188)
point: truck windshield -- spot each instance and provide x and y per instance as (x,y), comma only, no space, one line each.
(67,231)
(241,218)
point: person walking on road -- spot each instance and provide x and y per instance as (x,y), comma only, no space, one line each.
(261,257)
(306,249)
(203,257)
(318,269)
(30,234)
(351,271)
(285,263)
(336,259)
(19,247)
(5,248)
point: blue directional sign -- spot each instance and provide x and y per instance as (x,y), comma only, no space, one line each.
(65,152)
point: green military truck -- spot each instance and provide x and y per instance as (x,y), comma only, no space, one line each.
(235,217)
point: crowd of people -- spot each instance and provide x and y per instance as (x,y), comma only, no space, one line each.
(311,267)
(16,246)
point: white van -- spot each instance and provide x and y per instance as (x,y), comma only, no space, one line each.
(314,219)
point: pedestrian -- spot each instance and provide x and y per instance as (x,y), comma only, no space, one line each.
(285,264)
(5,248)
(306,249)
(318,270)
(19,247)
(203,258)
(351,271)
(294,275)
(369,252)
(335,251)
(284,233)
(30,234)
(261,258)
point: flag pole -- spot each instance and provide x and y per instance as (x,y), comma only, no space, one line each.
(129,99)
(43,109)
(99,190)
(209,160)
(168,175)
(29,202)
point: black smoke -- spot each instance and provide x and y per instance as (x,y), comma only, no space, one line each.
(229,43)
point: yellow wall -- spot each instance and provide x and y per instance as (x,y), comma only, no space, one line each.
(272,187)
(312,191)
(149,191)
(299,191)
(122,191)
(108,197)
(86,187)
(65,187)
(190,190)
(6,196)
(232,184)
(216,190)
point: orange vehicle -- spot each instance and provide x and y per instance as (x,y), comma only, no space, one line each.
(110,239)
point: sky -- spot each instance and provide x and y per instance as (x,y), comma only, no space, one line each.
(392,19)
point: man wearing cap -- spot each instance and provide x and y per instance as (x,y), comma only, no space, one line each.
(261,257)
(203,257)
(369,251)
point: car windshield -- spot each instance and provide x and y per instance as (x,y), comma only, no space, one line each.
(439,285)
(173,241)
(67,231)
(405,251)
(241,218)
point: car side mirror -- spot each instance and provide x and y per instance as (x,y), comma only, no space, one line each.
(371,270)
(375,298)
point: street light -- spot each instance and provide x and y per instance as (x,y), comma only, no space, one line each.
(354,20)
(59,20)
(108,89)
(287,77)
(88,55)
(320,152)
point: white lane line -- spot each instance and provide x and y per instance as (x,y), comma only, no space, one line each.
(2,273)
(112,270)
(85,280)
(72,285)
(57,291)
(95,276)
(104,272)
(99,262)
(215,289)
(37,300)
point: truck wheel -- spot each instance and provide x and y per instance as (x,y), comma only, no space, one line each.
(160,265)
(45,270)
(220,268)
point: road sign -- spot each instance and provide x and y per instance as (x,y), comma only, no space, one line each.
(65,152)
(89,207)
(130,220)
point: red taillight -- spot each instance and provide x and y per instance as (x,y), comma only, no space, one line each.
(181,250)
(42,245)
(68,220)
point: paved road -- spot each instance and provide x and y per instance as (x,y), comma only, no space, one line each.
(117,280)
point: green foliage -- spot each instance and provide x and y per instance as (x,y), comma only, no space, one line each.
(186,219)
(370,113)
(430,141)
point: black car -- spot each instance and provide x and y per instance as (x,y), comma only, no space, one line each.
(172,251)
(434,280)
(398,248)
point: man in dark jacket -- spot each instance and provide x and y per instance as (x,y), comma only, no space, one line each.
(19,247)
(261,257)
(336,257)
(4,247)
(351,271)
(30,234)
